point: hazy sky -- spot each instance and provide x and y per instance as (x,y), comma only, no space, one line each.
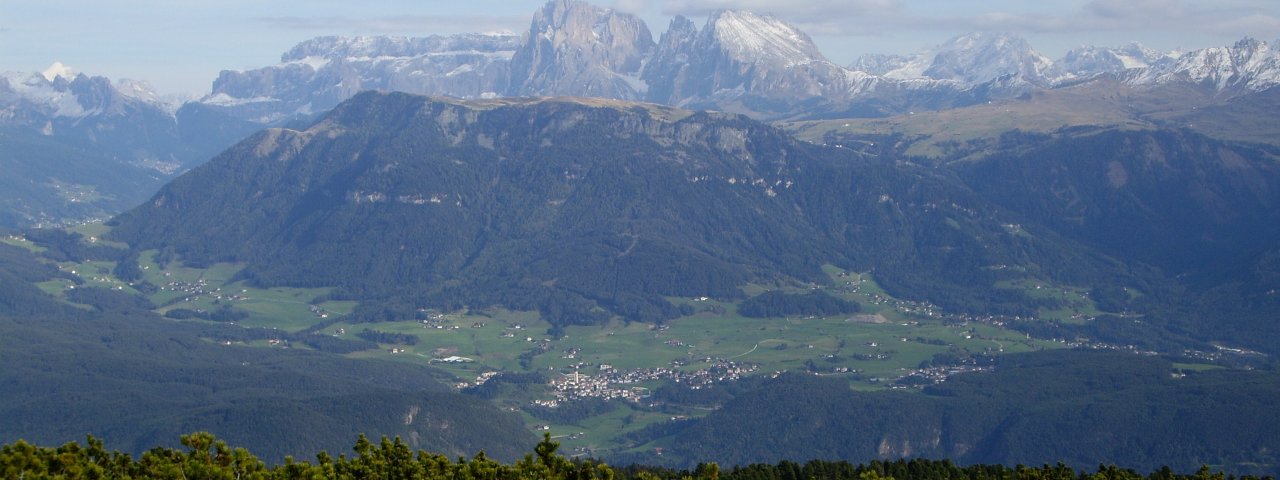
(181,45)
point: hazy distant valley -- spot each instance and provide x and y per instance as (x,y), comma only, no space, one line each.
(713,244)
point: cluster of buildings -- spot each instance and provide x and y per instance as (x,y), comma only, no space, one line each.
(610,383)
(200,287)
(318,311)
(939,374)
(924,309)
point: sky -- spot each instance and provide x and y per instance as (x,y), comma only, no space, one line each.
(180,45)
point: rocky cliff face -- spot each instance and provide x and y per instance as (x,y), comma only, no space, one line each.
(61,96)
(318,74)
(745,62)
(577,49)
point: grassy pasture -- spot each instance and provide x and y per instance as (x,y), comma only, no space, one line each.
(22,242)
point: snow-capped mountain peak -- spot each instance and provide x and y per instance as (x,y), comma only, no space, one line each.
(739,61)
(143,91)
(58,70)
(969,59)
(748,36)
(1089,61)
(1249,65)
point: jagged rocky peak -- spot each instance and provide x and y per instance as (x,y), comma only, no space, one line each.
(1249,51)
(1088,61)
(575,48)
(979,57)
(678,38)
(667,70)
(59,91)
(753,38)
(138,89)
(737,58)
(94,93)
(968,59)
(1249,65)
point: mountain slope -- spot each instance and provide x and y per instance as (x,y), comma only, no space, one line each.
(1172,199)
(137,381)
(1109,408)
(1202,211)
(1154,187)
(47,182)
(580,208)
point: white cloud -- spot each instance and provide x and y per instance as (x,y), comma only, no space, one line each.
(1257,25)
(630,6)
(1131,10)
(1022,22)
(795,11)
(405,24)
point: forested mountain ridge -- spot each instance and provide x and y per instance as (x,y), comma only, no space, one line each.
(1045,407)
(582,209)
(1197,209)
(1184,193)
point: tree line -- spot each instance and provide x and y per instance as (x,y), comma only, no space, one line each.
(206,457)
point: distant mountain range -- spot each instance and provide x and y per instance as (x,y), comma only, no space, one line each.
(575,48)
(76,147)
(738,61)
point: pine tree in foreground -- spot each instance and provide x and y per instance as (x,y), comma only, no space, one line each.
(207,458)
